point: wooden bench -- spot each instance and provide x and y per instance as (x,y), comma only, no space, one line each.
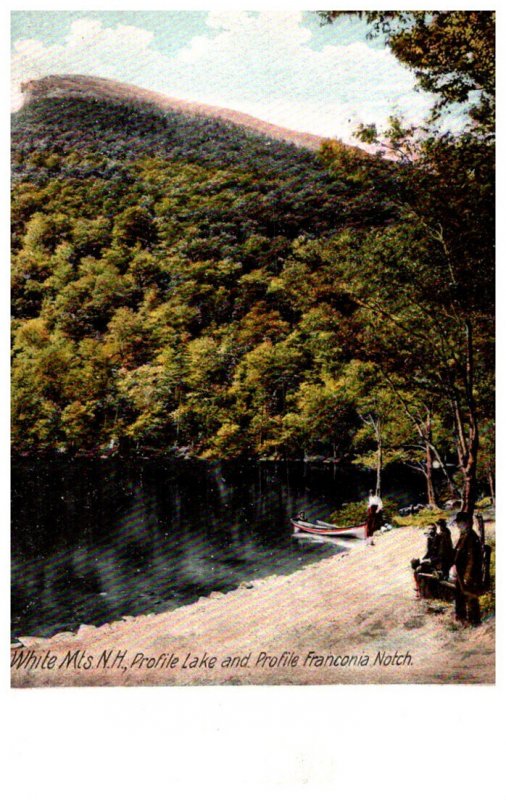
(434,587)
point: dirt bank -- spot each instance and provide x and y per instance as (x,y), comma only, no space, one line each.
(347,619)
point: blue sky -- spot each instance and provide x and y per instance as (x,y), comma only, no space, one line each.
(281,66)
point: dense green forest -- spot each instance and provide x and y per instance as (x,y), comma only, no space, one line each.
(157,290)
(184,286)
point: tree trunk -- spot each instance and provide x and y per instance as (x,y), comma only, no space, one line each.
(431,495)
(454,489)
(491,485)
(470,493)
(468,442)
(379,462)
(375,424)
(452,486)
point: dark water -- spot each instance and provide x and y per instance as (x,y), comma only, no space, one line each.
(93,541)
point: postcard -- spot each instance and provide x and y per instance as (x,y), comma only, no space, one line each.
(253,375)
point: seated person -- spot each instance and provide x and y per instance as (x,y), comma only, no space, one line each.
(431,561)
(446,551)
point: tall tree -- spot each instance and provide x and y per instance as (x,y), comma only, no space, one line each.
(421,338)
(451,52)
(446,198)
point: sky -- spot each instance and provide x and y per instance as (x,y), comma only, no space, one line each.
(279,66)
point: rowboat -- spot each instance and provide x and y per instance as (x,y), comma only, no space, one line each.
(324,529)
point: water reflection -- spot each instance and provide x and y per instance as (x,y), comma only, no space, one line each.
(93,541)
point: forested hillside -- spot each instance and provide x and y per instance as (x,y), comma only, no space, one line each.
(184,285)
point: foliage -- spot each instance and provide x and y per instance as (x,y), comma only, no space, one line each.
(484,502)
(180,284)
(446,194)
(355,513)
(350,514)
(451,52)
(424,517)
(148,311)
(487,601)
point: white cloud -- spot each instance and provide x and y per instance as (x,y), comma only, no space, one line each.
(122,53)
(260,63)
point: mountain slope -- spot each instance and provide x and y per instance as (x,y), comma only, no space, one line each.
(90,88)
(169,291)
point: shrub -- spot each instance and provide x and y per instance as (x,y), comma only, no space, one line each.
(485,502)
(423,518)
(487,602)
(356,512)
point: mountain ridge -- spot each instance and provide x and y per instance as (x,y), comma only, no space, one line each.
(88,87)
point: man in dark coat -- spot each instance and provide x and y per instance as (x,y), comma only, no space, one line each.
(446,552)
(468,567)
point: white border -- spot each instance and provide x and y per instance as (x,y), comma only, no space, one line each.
(361,741)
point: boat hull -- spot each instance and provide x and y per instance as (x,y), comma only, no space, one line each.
(353,532)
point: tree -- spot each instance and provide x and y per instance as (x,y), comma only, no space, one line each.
(487,460)
(133,225)
(451,52)
(263,390)
(446,195)
(382,431)
(421,339)
(323,420)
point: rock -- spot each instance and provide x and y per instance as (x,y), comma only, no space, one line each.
(63,636)
(413,509)
(453,505)
(83,630)
(32,641)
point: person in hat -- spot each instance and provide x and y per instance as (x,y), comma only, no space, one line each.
(446,551)
(468,568)
(430,562)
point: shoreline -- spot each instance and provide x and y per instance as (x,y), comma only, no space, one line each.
(349,618)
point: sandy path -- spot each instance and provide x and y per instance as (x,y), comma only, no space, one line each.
(358,612)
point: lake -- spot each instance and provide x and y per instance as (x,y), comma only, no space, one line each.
(96,540)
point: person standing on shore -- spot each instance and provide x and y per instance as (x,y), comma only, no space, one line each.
(467,569)
(375,500)
(374,512)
